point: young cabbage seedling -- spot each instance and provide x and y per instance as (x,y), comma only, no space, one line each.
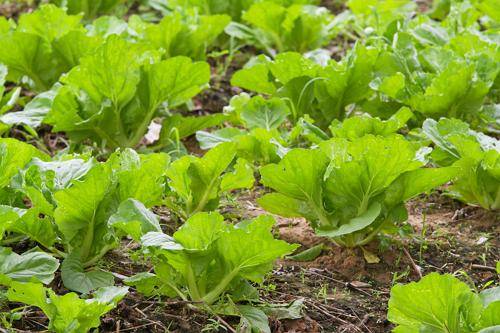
(350,191)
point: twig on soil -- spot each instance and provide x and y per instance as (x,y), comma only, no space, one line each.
(118,326)
(362,322)
(326,313)
(416,268)
(145,317)
(137,327)
(338,311)
(345,284)
(225,323)
(484,268)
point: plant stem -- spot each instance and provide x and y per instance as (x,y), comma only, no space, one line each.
(88,240)
(13,240)
(98,257)
(213,295)
(141,130)
(191,281)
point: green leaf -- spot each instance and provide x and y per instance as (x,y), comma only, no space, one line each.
(34,112)
(299,176)
(359,126)
(73,46)
(291,65)
(9,215)
(253,319)
(254,78)
(261,113)
(77,279)
(358,223)
(49,22)
(475,157)
(113,99)
(67,313)
(91,9)
(177,127)
(208,140)
(250,248)
(283,205)
(29,293)
(489,318)
(27,54)
(346,82)
(138,176)
(149,284)
(209,257)
(386,11)
(292,310)
(175,80)
(350,190)
(489,296)
(77,213)
(88,207)
(30,266)
(273,27)
(200,231)
(33,226)
(416,182)
(241,177)
(366,169)
(205,174)
(105,26)
(195,182)
(308,255)
(134,219)
(453,92)
(186,35)
(30,51)
(438,303)
(14,155)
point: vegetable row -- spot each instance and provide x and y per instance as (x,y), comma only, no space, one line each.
(410,108)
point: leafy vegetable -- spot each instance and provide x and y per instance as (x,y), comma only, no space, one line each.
(357,127)
(9,99)
(290,76)
(45,44)
(350,190)
(208,258)
(115,93)
(91,9)
(276,28)
(436,71)
(379,14)
(31,266)
(442,303)
(84,209)
(477,157)
(186,34)
(27,223)
(345,83)
(195,184)
(176,127)
(322,92)
(67,313)
(234,8)
(14,155)
(309,254)
(264,119)
(34,111)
